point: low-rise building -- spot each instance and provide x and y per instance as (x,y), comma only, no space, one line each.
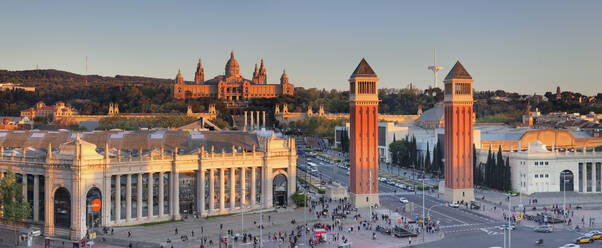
(538,169)
(48,112)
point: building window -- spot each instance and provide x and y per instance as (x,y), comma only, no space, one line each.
(536,176)
(580,177)
(536,163)
(546,162)
(598,165)
(547,175)
(589,176)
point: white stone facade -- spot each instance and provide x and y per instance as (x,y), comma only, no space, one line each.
(151,183)
(538,169)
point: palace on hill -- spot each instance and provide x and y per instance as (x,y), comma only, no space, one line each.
(231,87)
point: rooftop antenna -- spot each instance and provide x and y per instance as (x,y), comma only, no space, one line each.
(435,68)
(86,84)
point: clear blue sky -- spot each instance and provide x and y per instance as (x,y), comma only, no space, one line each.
(524,46)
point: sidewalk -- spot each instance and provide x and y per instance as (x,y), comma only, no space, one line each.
(491,205)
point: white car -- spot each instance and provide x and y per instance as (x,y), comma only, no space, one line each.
(403,200)
(570,246)
(506,227)
(453,205)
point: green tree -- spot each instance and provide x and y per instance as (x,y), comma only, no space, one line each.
(344,141)
(489,169)
(499,166)
(14,207)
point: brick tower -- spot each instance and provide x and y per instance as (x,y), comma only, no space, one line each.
(363,149)
(458,135)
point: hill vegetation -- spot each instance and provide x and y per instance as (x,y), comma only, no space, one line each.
(153,95)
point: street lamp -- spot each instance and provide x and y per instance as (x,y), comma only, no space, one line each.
(423,220)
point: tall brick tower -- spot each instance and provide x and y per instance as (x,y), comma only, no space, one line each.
(363,149)
(458,135)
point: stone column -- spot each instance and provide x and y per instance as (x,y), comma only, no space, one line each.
(49,208)
(150,195)
(253,186)
(252,123)
(176,195)
(161,195)
(139,197)
(263,112)
(36,198)
(24,184)
(128,198)
(266,185)
(257,123)
(292,176)
(106,202)
(211,190)
(171,199)
(222,190)
(232,188)
(243,185)
(201,191)
(245,127)
(117,198)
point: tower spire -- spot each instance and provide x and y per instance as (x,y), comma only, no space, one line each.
(199,75)
(435,68)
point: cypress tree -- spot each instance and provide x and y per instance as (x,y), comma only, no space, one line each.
(508,176)
(488,169)
(500,170)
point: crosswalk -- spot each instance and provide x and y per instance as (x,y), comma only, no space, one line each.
(488,228)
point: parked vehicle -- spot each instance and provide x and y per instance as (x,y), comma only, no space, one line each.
(543,229)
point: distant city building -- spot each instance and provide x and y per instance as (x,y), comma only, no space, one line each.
(15,123)
(49,112)
(146,176)
(11,86)
(231,87)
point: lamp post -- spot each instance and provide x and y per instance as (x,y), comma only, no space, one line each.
(423,220)
(305,217)
(564,195)
(261,224)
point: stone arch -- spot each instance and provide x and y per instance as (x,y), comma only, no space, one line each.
(62,207)
(280,189)
(569,176)
(93,219)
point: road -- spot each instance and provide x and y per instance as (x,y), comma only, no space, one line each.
(460,225)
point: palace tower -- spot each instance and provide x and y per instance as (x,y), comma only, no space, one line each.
(363,115)
(458,135)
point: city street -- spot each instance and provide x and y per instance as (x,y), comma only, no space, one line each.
(460,226)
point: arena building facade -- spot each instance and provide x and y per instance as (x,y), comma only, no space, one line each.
(146,176)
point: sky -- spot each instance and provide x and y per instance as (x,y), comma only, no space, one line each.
(520,46)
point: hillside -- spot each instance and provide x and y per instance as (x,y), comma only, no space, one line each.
(44,77)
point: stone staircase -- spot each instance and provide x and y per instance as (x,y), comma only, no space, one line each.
(62,233)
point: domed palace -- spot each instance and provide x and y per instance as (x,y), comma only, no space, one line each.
(231,87)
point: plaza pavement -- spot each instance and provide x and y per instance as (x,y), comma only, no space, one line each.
(274,222)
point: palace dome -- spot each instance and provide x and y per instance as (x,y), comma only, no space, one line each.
(232,67)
